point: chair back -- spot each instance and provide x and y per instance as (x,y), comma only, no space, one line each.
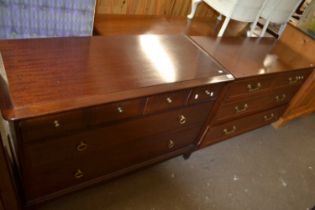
(279,11)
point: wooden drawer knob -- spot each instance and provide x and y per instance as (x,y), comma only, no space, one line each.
(82,146)
(241,109)
(268,118)
(252,88)
(228,132)
(78,174)
(56,124)
(171,144)
(182,119)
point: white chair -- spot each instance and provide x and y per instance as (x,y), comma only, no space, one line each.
(241,10)
(278,12)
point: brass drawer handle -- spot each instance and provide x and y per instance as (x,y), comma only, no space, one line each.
(78,174)
(171,144)
(228,132)
(243,109)
(280,98)
(81,147)
(169,100)
(209,93)
(252,88)
(270,117)
(56,123)
(120,109)
(295,80)
(182,119)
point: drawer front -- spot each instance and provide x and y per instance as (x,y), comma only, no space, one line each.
(101,157)
(236,127)
(244,107)
(167,101)
(248,87)
(52,125)
(205,93)
(295,78)
(116,111)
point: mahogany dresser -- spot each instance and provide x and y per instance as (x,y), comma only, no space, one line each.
(83,110)
(267,75)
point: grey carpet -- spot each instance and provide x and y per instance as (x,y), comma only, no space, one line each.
(265,169)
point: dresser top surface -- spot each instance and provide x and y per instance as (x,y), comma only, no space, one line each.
(45,76)
(247,57)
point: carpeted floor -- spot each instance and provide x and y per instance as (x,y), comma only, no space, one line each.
(265,169)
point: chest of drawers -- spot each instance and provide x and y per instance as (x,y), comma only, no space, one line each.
(89,109)
(85,110)
(265,82)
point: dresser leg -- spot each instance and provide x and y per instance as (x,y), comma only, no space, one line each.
(186,155)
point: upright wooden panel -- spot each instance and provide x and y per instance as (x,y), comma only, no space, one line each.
(176,8)
(304,101)
(8,199)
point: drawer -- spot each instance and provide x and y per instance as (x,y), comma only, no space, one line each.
(52,125)
(102,156)
(295,78)
(236,127)
(248,87)
(116,111)
(244,107)
(167,101)
(205,93)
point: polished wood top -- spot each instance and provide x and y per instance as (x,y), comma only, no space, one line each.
(246,57)
(45,76)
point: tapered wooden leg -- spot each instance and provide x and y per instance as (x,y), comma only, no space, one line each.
(224,26)
(194,5)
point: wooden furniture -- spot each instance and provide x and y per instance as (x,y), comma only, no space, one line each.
(8,193)
(84,110)
(304,101)
(267,74)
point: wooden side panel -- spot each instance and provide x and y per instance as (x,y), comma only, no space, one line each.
(175,8)
(304,101)
(8,199)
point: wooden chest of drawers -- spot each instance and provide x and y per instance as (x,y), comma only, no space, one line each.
(264,84)
(84,110)
(98,113)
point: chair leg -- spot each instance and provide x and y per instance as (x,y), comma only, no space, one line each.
(253,27)
(194,4)
(281,29)
(264,28)
(224,26)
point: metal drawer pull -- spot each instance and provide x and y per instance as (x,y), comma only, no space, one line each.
(182,119)
(268,118)
(169,100)
(171,144)
(238,109)
(252,88)
(56,124)
(209,93)
(196,96)
(228,132)
(81,147)
(120,109)
(280,98)
(295,80)
(78,174)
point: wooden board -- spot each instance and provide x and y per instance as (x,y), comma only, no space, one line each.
(177,8)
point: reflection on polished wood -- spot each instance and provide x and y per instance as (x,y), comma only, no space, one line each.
(140,24)
(52,75)
(246,57)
